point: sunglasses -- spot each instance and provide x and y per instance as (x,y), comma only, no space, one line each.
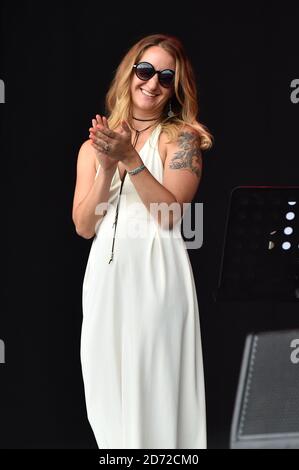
(145,71)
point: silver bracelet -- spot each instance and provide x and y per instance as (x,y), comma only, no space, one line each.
(137,170)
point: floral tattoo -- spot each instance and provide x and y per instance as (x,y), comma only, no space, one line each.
(189,156)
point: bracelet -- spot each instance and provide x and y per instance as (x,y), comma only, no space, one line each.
(137,170)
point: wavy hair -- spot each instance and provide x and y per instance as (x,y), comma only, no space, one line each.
(184,101)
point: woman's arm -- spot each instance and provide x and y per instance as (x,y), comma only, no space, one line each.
(89,192)
(181,178)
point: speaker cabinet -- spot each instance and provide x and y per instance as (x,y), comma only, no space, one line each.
(266,412)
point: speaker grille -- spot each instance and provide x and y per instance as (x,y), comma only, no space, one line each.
(267,403)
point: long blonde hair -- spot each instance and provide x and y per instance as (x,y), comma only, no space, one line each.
(184,102)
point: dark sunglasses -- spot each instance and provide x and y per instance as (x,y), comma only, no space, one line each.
(145,71)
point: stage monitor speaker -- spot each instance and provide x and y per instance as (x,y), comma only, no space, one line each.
(266,413)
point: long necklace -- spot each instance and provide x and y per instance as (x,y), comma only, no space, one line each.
(121,186)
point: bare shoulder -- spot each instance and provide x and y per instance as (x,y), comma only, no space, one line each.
(186,135)
(163,138)
(88,152)
(185,152)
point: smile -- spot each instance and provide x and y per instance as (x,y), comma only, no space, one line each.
(146,93)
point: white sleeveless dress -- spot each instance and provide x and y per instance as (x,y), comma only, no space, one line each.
(141,350)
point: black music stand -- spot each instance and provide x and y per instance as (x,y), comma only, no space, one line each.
(260,258)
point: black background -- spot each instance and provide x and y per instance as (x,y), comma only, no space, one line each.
(57,61)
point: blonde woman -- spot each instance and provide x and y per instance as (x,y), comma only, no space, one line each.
(141,349)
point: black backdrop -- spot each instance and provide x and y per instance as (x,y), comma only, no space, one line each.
(57,62)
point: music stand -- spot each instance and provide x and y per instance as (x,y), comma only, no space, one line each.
(260,259)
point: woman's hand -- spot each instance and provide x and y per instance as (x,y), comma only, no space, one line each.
(104,160)
(116,145)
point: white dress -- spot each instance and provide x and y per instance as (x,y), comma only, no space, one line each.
(141,349)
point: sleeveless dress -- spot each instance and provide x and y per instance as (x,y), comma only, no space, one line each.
(141,351)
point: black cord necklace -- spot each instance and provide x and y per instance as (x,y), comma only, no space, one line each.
(137,119)
(121,186)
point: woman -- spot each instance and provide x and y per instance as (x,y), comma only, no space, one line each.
(141,346)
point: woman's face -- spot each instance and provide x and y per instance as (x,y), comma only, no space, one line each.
(152,106)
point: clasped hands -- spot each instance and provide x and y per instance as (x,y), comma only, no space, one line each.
(116,144)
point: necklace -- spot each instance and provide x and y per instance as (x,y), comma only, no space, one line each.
(121,186)
(139,132)
(137,119)
(137,136)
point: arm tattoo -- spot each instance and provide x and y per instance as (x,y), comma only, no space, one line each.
(189,156)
